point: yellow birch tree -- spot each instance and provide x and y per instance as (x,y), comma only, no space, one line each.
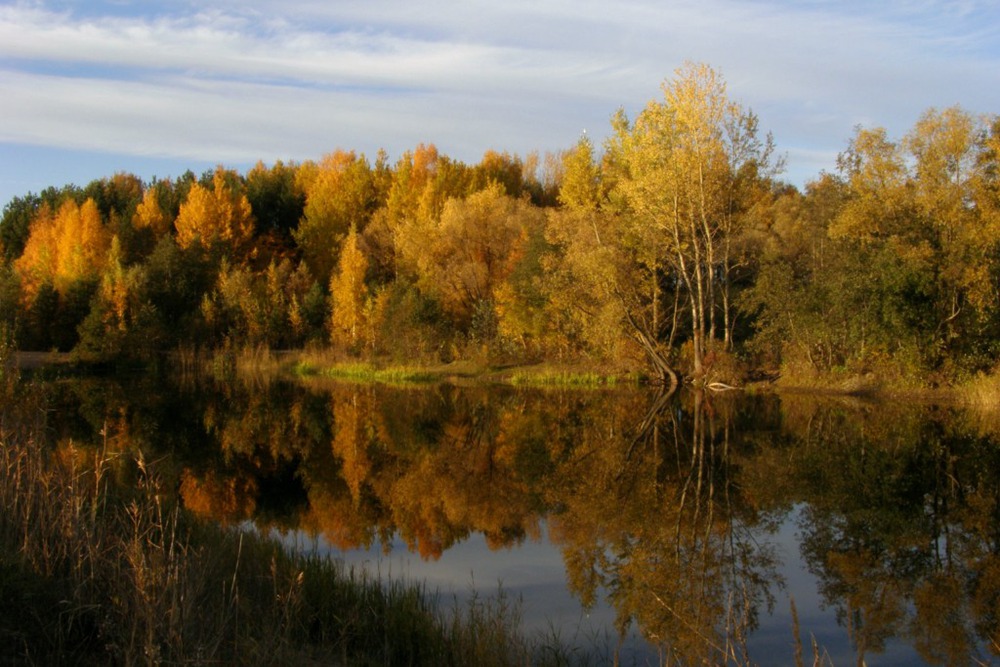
(340,192)
(349,294)
(63,248)
(678,168)
(216,217)
(149,214)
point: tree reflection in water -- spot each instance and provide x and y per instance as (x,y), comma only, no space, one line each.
(665,506)
(901,524)
(664,528)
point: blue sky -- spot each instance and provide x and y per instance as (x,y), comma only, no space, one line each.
(91,88)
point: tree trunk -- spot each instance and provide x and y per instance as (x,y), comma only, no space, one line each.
(667,375)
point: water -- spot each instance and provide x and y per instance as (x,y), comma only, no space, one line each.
(689,524)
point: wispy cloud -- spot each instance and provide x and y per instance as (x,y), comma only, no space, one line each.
(218,45)
(237,81)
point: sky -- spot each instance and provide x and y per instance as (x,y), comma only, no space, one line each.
(90,88)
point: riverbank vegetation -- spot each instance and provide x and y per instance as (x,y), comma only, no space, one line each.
(674,250)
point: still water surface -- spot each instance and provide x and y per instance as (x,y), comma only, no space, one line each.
(660,530)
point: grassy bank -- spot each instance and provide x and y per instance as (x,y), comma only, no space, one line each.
(99,566)
(325,365)
(363,372)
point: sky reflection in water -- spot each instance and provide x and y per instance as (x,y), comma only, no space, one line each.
(535,572)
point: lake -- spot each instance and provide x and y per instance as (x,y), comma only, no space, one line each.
(769,529)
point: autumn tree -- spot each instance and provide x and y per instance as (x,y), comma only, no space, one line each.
(474,247)
(120,290)
(581,265)
(64,247)
(340,192)
(59,271)
(502,168)
(580,187)
(122,323)
(677,170)
(905,280)
(349,295)
(521,299)
(422,181)
(217,219)
(951,165)
(149,214)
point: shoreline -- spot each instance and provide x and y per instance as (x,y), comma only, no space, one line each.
(303,365)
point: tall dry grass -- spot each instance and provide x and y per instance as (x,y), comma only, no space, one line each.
(982,391)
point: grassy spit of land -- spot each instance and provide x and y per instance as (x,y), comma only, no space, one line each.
(318,365)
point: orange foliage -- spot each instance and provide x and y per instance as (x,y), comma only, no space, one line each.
(340,193)
(348,442)
(335,516)
(349,294)
(65,247)
(226,499)
(219,216)
(149,214)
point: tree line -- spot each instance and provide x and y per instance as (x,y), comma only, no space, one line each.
(675,247)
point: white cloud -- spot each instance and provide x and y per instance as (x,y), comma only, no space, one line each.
(252,79)
(232,121)
(215,46)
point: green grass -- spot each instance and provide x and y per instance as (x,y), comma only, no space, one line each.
(553,378)
(525,377)
(361,372)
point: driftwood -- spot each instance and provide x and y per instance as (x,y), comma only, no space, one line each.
(721,386)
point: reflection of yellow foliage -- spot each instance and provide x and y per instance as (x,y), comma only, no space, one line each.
(464,485)
(433,494)
(876,599)
(224,499)
(334,515)
(940,634)
(656,523)
(348,442)
(250,426)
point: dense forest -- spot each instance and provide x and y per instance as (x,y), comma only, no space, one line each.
(674,247)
